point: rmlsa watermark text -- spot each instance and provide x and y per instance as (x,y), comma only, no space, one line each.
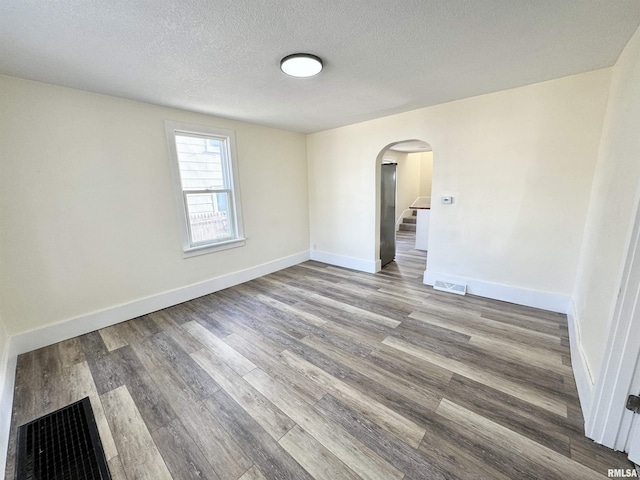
(622,473)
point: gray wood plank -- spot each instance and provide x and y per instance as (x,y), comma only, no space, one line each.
(385,345)
(190,372)
(76,383)
(221,450)
(551,403)
(394,380)
(433,340)
(116,470)
(187,342)
(70,352)
(48,368)
(316,459)
(181,454)
(338,441)
(397,453)
(162,320)
(136,450)
(253,473)
(303,387)
(540,460)
(235,360)
(265,452)
(267,415)
(520,416)
(385,417)
(123,367)
(112,337)
(179,313)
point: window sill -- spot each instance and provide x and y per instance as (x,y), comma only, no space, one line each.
(204,249)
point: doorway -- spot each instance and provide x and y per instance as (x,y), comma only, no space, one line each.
(404,186)
(388,192)
(609,422)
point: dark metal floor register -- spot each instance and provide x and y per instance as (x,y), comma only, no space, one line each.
(63,445)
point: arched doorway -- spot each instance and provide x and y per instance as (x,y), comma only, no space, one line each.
(403,188)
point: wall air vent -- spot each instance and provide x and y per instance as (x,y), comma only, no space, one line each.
(456,288)
(62,445)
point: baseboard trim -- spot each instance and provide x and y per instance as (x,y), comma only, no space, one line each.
(546,301)
(58,332)
(581,370)
(507,293)
(346,262)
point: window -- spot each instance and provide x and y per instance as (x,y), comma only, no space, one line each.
(205,180)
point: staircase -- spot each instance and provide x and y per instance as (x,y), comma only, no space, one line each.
(409,223)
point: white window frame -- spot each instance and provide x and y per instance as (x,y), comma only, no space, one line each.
(227,137)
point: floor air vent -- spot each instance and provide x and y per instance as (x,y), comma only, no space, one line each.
(63,445)
(456,288)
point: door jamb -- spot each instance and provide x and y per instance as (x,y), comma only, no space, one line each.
(608,421)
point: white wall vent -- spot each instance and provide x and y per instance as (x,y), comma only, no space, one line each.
(456,288)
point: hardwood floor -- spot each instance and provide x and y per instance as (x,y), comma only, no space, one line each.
(322,372)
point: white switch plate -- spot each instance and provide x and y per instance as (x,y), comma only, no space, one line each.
(446,200)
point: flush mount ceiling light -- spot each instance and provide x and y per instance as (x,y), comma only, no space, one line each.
(301,65)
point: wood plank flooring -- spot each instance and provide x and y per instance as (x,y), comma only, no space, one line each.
(322,372)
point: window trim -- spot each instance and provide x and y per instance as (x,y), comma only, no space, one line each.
(228,137)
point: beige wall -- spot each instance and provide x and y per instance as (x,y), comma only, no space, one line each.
(614,200)
(413,178)
(426,172)
(4,353)
(519,164)
(88,219)
(408,183)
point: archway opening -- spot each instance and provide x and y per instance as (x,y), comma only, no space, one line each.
(404,172)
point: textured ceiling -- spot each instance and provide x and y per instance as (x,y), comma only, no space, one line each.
(381,57)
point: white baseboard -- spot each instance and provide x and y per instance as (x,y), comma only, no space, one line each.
(546,301)
(507,293)
(360,264)
(581,371)
(34,339)
(27,341)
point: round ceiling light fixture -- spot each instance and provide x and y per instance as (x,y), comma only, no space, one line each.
(301,65)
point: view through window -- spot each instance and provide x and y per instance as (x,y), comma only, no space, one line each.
(205,169)
(205,185)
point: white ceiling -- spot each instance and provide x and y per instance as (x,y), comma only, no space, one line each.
(381,56)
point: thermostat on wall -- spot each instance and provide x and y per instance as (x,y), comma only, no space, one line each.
(446,200)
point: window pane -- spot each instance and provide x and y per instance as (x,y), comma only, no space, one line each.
(202,167)
(200,162)
(210,218)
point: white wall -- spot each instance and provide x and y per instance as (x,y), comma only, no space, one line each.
(88,220)
(88,226)
(413,178)
(614,200)
(408,183)
(519,164)
(426,172)
(4,352)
